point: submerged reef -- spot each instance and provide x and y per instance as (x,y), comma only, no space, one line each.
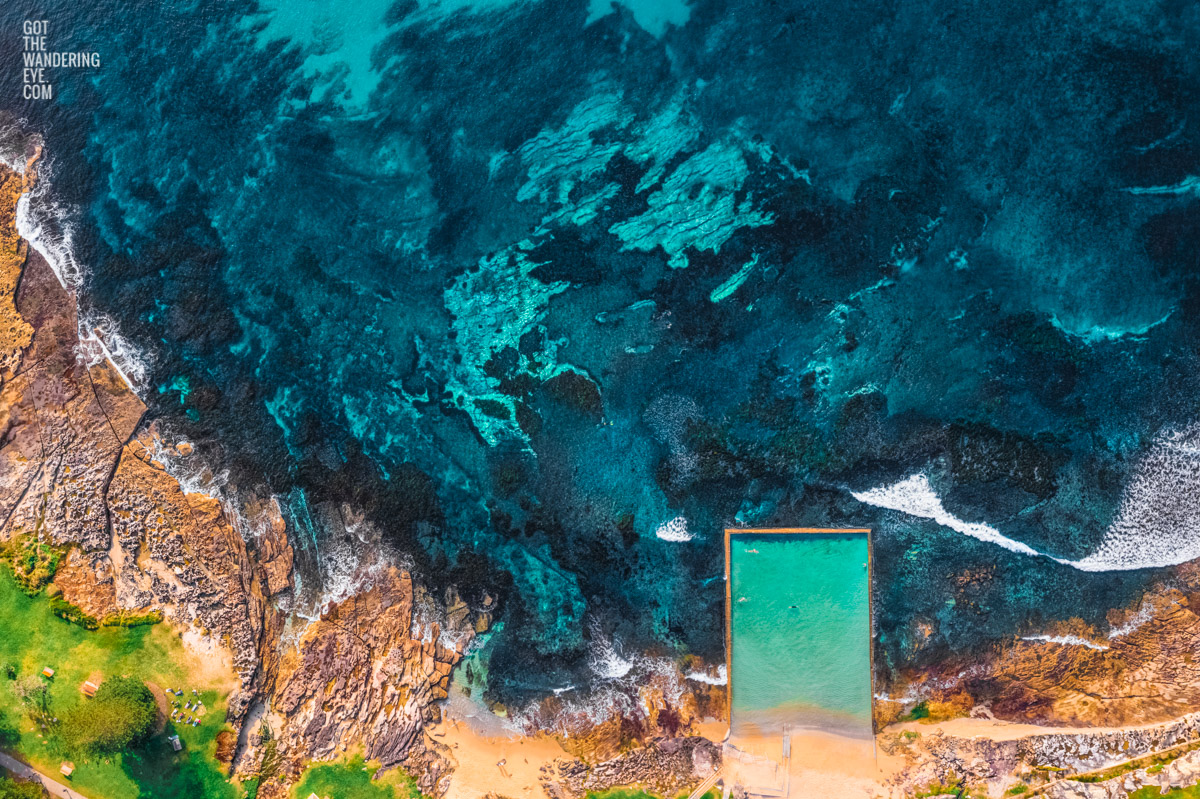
(530,302)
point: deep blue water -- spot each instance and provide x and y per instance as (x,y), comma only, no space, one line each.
(525,282)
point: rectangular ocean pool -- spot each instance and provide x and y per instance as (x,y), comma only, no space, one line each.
(799,632)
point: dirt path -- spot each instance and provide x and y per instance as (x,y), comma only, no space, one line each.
(164,707)
(1008,730)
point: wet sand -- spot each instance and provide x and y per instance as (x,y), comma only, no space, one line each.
(821,764)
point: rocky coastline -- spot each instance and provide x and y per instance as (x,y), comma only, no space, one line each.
(83,468)
(1139,671)
(79,468)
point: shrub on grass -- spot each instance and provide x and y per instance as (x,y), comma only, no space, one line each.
(10,736)
(34,694)
(77,615)
(120,715)
(33,562)
(73,613)
(12,789)
(126,619)
(351,779)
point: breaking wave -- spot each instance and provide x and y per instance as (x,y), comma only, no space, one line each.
(49,227)
(1144,614)
(1065,640)
(189,470)
(1157,522)
(12,144)
(606,662)
(100,340)
(348,560)
(916,497)
(721,678)
(675,530)
(628,684)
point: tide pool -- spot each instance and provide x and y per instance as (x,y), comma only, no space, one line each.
(801,632)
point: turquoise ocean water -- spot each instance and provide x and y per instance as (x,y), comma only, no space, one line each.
(539,297)
(801,633)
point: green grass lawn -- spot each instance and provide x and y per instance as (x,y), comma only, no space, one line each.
(1152,792)
(351,779)
(31,638)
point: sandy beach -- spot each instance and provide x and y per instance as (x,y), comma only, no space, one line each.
(820,764)
(476,756)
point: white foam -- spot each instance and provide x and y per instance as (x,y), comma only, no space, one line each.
(12,146)
(1065,640)
(190,471)
(628,685)
(196,476)
(911,696)
(721,678)
(675,530)
(916,497)
(606,662)
(349,563)
(49,228)
(101,340)
(1144,614)
(1158,521)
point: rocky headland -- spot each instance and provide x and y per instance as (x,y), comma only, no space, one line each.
(81,469)
(1141,669)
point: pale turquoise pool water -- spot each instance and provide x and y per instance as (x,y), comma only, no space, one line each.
(801,632)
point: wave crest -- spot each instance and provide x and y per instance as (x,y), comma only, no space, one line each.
(49,227)
(674,530)
(1157,522)
(1065,640)
(916,497)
